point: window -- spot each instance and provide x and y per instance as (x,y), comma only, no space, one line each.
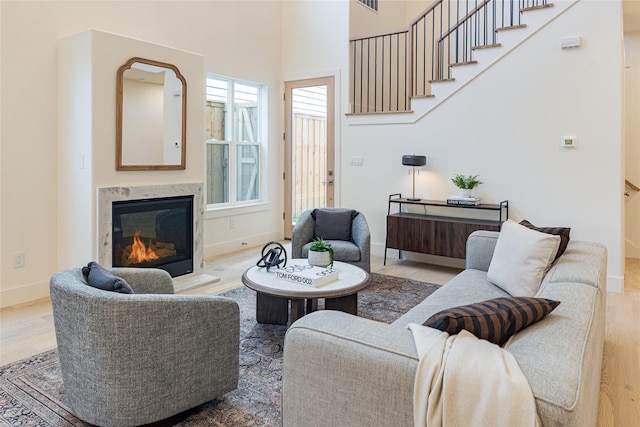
(235,117)
(373,4)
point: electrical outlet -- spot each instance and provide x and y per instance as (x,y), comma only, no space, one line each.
(18,260)
(569,141)
(232,223)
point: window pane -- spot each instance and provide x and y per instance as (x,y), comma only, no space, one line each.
(217,173)
(217,101)
(246,112)
(247,172)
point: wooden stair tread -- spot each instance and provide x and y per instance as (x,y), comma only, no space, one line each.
(442,80)
(456,64)
(511,27)
(486,46)
(371,113)
(422,96)
(530,8)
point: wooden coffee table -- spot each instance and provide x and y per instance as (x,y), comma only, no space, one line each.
(275,295)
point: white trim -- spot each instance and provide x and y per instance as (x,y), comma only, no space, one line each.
(233,210)
(24,294)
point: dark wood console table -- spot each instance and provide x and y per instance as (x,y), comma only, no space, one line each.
(437,234)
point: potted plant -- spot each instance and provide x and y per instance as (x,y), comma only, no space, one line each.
(466,183)
(320,253)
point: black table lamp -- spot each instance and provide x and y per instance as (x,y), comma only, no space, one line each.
(413,160)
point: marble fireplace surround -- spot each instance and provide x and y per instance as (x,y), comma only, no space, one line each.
(107,195)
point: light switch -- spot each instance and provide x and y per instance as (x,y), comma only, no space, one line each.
(570,42)
(357,161)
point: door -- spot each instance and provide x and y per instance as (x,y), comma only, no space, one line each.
(309,147)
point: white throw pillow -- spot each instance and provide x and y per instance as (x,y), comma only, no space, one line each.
(521,259)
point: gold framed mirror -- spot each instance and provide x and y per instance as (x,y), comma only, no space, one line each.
(151,116)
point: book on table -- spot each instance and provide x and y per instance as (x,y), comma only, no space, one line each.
(463,201)
(307,275)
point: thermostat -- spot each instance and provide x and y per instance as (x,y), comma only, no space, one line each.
(569,141)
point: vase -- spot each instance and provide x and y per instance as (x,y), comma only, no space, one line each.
(319,259)
(465,192)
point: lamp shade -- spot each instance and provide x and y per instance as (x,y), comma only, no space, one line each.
(413,160)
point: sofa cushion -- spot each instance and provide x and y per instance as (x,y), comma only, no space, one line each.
(521,259)
(466,288)
(100,278)
(494,320)
(333,224)
(563,232)
(342,250)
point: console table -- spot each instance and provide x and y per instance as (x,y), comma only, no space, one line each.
(437,234)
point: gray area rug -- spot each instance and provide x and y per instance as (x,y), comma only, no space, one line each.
(32,393)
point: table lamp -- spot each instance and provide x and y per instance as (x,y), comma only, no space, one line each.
(413,160)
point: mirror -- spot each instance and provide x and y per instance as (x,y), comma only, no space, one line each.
(151,113)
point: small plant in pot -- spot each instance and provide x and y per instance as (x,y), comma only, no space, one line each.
(466,183)
(320,253)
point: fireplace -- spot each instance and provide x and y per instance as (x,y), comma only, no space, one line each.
(155,232)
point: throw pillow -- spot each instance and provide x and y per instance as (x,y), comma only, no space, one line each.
(494,320)
(563,232)
(333,224)
(521,259)
(100,278)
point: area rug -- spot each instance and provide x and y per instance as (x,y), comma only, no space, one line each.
(32,393)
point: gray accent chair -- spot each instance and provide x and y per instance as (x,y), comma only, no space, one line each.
(132,359)
(356,252)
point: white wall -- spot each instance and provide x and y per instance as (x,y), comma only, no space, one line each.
(506,126)
(390,16)
(30,32)
(632,142)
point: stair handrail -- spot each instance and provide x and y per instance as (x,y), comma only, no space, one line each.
(425,12)
(431,44)
(464,19)
(631,185)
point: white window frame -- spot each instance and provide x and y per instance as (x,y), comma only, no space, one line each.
(261,142)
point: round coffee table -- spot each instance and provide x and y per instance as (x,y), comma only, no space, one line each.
(274,295)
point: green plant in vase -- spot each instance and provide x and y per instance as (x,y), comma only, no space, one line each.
(466,183)
(321,253)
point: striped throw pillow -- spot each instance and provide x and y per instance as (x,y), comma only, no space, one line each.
(494,320)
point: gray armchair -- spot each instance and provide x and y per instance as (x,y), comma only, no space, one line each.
(131,359)
(356,251)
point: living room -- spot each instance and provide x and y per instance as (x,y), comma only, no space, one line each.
(511,143)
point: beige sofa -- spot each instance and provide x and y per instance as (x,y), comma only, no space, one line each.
(343,370)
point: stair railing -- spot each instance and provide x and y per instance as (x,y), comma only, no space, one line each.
(445,34)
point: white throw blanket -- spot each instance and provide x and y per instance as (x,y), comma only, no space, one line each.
(465,381)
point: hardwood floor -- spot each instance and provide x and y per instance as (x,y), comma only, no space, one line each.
(27,329)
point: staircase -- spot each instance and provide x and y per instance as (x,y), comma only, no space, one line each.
(410,72)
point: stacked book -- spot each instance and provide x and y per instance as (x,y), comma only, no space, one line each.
(463,201)
(307,274)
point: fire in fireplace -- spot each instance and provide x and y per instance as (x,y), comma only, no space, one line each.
(154,233)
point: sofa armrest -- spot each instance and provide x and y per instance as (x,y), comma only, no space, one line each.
(302,233)
(146,280)
(480,247)
(361,236)
(341,369)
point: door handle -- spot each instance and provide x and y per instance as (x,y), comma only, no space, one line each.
(330,182)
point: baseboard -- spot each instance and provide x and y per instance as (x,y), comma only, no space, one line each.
(631,250)
(615,284)
(24,294)
(239,244)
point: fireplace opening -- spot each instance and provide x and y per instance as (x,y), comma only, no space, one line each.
(154,233)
